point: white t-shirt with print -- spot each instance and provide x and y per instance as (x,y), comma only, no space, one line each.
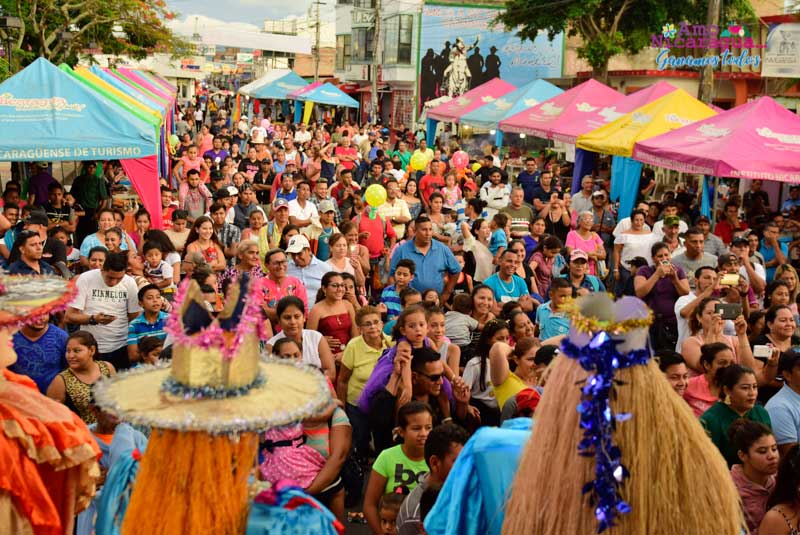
(302,212)
(95,297)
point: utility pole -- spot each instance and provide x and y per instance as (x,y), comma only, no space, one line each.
(317,3)
(377,52)
(705,91)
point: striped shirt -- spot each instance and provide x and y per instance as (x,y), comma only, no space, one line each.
(140,327)
(391,298)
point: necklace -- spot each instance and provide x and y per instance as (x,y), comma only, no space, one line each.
(503,286)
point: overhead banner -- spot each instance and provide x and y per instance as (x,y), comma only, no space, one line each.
(782,57)
(460,51)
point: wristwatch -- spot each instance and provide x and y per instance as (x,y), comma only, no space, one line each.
(92,321)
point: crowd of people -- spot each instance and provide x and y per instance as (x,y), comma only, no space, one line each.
(432,314)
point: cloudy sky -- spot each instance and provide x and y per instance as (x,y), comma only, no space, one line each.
(241,15)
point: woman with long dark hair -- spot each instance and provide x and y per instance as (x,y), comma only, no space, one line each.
(783,516)
(203,239)
(739,391)
(476,372)
(754,475)
(332,315)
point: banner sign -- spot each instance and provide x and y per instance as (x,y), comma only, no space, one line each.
(692,40)
(460,50)
(782,57)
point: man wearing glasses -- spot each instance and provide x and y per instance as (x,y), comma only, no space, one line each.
(306,267)
(604,221)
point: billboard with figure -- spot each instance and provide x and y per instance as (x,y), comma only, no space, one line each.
(459,50)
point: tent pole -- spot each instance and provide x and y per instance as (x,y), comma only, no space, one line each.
(714,202)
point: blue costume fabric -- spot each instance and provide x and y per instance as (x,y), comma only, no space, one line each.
(287,510)
(473,498)
(111,500)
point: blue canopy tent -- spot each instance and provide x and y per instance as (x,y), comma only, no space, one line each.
(328,95)
(49,115)
(279,89)
(512,103)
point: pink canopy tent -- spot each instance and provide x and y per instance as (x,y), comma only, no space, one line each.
(303,90)
(543,119)
(452,110)
(758,140)
(568,131)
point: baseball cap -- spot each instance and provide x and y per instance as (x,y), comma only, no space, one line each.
(221,193)
(326,206)
(37,217)
(297,243)
(740,240)
(216,175)
(599,193)
(672,220)
(577,254)
(469,184)
(233,191)
(292,163)
(279,203)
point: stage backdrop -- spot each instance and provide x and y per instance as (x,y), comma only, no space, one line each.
(459,51)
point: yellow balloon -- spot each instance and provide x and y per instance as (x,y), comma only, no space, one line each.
(418,161)
(475,167)
(375,195)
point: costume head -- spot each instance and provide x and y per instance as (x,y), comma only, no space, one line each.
(50,456)
(614,448)
(206,410)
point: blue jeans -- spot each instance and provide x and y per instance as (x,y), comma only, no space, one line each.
(361,431)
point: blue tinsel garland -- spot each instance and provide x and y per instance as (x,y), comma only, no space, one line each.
(173,387)
(603,359)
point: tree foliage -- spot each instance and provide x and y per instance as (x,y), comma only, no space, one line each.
(59,29)
(606,27)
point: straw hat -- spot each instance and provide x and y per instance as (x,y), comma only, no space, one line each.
(257,139)
(25,298)
(217,382)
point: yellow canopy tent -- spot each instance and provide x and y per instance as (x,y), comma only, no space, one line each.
(670,112)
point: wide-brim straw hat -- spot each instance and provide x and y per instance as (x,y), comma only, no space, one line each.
(25,298)
(290,392)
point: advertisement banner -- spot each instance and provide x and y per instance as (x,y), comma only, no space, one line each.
(782,57)
(460,50)
(244,58)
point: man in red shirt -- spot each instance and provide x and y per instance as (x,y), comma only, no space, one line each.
(347,154)
(371,232)
(726,228)
(431,182)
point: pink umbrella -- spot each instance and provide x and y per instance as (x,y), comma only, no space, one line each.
(542,120)
(303,90)
(758,140)
(581,123)
(452,110)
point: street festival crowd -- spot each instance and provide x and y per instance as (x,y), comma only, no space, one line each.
(428,285)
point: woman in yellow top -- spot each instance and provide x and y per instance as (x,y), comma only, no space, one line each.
(508,383)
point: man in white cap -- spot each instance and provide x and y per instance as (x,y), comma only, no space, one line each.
(305,266)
